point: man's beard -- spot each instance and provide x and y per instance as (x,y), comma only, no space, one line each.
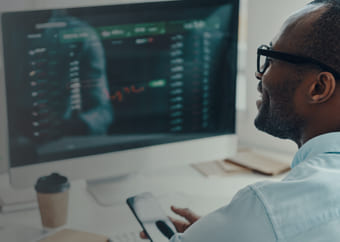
(281,120)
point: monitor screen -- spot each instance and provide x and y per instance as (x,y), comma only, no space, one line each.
(91,80)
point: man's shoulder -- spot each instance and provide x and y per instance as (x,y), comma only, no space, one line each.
(306,199)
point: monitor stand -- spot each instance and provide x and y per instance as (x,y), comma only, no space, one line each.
(115,190)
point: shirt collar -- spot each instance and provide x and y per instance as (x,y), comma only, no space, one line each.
(324,143)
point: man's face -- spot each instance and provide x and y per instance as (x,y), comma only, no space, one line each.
(276,108)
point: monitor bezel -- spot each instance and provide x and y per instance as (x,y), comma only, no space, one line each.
(219,146)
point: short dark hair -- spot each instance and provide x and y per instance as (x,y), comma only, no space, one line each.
(322,42)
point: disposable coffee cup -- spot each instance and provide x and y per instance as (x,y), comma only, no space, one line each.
(52,194)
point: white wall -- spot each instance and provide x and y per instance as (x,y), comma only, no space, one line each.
(264,20)
(12,5)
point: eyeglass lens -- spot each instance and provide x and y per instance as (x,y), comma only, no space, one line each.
(263,63)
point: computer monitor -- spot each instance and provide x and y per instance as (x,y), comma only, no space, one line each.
(104,91)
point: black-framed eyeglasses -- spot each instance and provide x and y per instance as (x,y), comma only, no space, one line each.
(264,51)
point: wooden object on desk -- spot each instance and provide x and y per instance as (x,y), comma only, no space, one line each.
(218,168)
(259,163)
(70,235)
(245,160)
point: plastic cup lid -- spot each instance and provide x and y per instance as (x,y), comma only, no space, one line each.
(53,183)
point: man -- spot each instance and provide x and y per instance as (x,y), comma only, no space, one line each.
(299,81)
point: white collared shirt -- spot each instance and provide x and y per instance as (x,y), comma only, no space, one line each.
(304,206)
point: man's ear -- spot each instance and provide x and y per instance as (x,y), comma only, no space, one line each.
(322,88)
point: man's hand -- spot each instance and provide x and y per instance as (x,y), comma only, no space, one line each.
(180,225)
(186,213)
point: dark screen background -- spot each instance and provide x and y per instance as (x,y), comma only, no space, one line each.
(101,79)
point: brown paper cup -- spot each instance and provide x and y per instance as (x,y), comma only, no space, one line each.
(52,194)
(53,208)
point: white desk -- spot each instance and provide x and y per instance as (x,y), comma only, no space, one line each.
(180,186)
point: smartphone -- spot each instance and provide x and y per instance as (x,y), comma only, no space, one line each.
(151,217)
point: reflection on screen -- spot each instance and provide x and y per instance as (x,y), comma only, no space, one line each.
(93,80)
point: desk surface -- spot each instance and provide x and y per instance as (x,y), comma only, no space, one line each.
(181,186)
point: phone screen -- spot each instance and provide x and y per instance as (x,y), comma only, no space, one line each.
(150,215)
